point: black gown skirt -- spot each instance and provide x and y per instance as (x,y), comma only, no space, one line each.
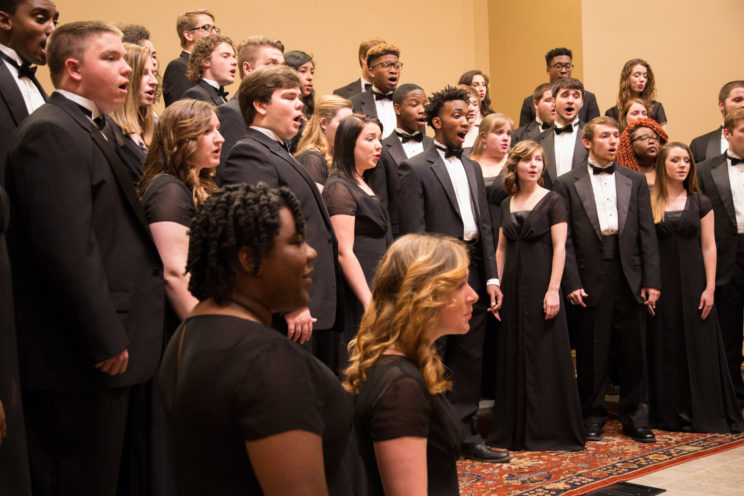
(537,401)
(691,388)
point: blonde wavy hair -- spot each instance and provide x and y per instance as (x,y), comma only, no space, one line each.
(414,282)
(313,137)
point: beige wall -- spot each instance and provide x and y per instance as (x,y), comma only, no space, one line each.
(439,39)
(692,47)
(520,34)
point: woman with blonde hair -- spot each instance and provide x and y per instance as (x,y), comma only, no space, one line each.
(178,174)
(691,389)
(637,81)
(315,148)
(537,405)
(135,120)
(408,433)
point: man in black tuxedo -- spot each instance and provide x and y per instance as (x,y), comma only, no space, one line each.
(90,304)
(212,66)
(253,52)
(440,191)
(722,179)
(364,83)
(408,140)
(25,26)
(562,143)
(270,100)
(612,276)
(544,104)
(191,27)
(559,63)
(383,69)
(714,143)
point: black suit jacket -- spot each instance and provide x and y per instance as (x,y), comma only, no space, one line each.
(175,82)
(588,111)
(364,103)
(350,90)
(92,280)
(259,158)
(383,179)
(427,203)
(714,181)
(638,247)
(707,146)
(12,110)
(531,131)
(232,128)
(204,92)
(547,140)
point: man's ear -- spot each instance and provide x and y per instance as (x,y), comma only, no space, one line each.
(260,107)
(72,66)
(247,68)
(436,122)
(6,21)
(396,107)
(587,143)
(720,107)
(188,35)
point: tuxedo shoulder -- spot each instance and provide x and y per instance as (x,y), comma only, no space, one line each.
(707,165)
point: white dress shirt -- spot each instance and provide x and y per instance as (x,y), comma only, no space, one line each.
(564,146)
(268,132)
(459,179)
(736,180)
(32,97)
(386,113)
(411,147)
(605,196)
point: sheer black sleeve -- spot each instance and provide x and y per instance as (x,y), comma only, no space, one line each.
(704,205)
(557,212)
(315,165)
(338,198)
(403,410)
(168,200)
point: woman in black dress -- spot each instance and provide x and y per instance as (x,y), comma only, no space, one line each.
(135,120)
(315,149)
(537,405)
(407,431)
(359,219)
(251,412)
(179,167)
(690,384)
(637,81)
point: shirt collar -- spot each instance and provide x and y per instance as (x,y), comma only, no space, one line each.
(11,53)
(211,83)
(82,101)
(268,132)
(590,163)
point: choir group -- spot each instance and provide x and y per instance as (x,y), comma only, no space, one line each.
(287,293)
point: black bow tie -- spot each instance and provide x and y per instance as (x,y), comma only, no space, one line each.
(24,69)
(567,129)
(221,92)
(600,170)
(450,151)
(99,121)
(381,96)
(404,137)
(367,86)
(734,160)
(545,126)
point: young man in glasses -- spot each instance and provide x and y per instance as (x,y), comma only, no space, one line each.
(191,26)
(383,67)
(559,66)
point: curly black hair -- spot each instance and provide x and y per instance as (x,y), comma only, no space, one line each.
(436,100)
(233,217)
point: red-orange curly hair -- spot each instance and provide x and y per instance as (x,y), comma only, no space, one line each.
(625,155)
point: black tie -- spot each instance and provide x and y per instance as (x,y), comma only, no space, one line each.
(367,86)
(24,70)
(99,121)
(381,96)
(567,129)
(404,137)
(221,92)
(606,170)
(734,160)
(285,145)
(451,151)
(545,126)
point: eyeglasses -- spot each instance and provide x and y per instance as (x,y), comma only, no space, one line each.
(646,138)
(389,65)
(207,28)
(560,67)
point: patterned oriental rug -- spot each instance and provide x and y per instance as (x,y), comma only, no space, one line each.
(614,459)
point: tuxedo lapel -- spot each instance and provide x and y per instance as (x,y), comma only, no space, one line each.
(623,189)
(548,145)
(440,170)
(368,103)
(719,172)
(12,95)
(212,92)
(584,191)
(579,154)
(395,148)
(713,147)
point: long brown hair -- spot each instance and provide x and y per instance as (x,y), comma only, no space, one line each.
(625,93)
(415,281)
(174,144)
(660,195)
(130,117)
